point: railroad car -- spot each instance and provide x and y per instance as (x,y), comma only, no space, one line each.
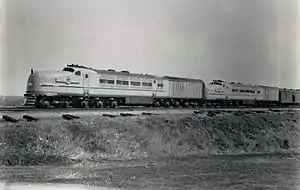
(181,92)
(81,86)
(289,96)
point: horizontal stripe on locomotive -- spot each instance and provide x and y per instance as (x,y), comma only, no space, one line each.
(28,94)
(226,94)
(110,88)
(222,99)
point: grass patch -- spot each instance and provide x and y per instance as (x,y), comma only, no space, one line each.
(142,137)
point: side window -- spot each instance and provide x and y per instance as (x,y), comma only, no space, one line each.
(86,76)
(78,73)
(135,83)
(147,84)
(106,81)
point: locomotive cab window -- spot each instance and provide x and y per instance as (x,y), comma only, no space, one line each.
(78,73)
(68,69)
(86,76)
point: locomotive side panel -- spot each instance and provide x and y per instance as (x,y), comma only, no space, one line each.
(228,91)
(185,88)
(135,89)
(259,93)
(270,93)
(288,96)
(114,85)
(239,92)
(297,98)
(161,88)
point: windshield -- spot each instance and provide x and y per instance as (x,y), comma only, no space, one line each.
(68,69)
(217,83)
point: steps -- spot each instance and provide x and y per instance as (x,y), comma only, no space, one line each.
(30,101)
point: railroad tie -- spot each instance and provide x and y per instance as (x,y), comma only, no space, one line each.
(9,119)
(30,118)
(127,114)
(70,117)
(109,115)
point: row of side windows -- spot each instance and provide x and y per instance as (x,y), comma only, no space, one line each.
(132,83)
(246,91)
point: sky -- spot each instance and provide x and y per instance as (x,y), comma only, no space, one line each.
(250,41)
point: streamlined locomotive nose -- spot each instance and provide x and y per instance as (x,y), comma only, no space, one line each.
(37,80)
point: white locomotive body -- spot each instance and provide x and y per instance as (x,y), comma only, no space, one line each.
(81,86)
(223,92)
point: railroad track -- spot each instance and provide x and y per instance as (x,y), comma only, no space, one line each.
(71,114)
(127,108)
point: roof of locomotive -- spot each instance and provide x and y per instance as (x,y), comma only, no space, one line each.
(182,79)
(126,73)
(111,71)
(241,84)
(288,89)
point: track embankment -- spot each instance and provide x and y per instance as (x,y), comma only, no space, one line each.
(97,139)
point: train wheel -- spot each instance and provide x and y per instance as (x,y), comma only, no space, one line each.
(186,104)
(65,104)
(113,104)
(176,104)
(156,104)
(91,104)
(83,104)
(99,104)
(167,104)
(192,104)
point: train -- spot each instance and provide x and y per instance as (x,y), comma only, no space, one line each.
(80,86)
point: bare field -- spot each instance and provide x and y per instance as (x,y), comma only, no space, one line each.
(100,139)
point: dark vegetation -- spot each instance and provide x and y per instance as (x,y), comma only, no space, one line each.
(143,137)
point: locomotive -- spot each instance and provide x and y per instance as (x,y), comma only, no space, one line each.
(80,86)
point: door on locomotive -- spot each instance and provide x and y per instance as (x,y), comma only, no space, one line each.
(85,83)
